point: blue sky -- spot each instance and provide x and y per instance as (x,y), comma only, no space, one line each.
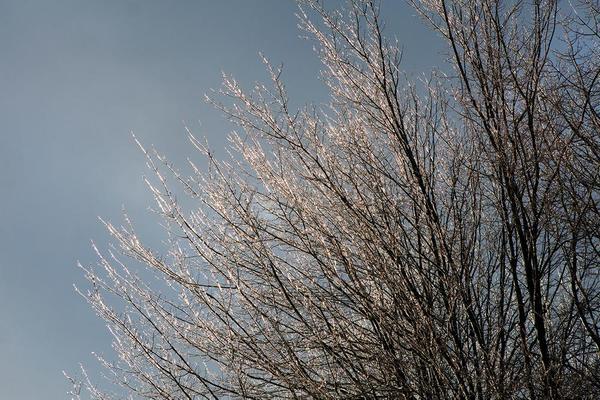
(76,77)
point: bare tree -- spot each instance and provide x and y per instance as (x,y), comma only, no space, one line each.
(409,240)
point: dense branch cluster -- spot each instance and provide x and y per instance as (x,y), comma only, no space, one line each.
(437,240)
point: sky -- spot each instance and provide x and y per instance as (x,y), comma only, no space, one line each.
(76,78)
